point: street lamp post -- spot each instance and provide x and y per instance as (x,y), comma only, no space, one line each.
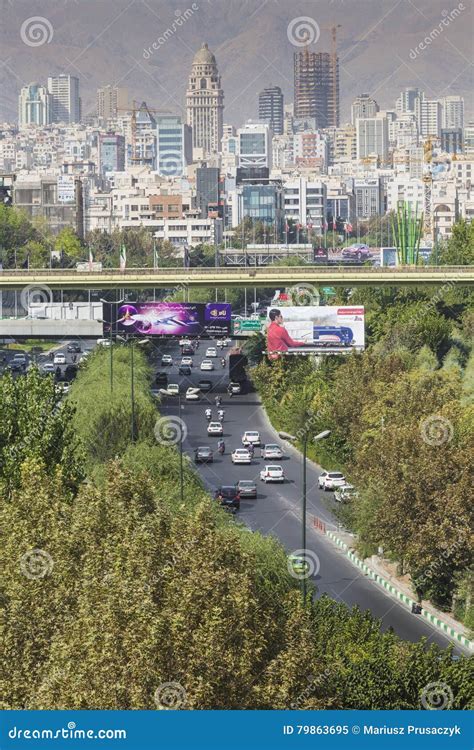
(293,438)
(110,323)
(164,392)
(132,381)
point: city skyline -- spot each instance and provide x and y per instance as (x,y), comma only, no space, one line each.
(156,67)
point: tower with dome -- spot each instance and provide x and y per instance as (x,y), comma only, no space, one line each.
(205,102)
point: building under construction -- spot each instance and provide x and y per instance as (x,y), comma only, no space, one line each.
(316,76)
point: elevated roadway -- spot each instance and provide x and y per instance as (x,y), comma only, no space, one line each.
(271,276)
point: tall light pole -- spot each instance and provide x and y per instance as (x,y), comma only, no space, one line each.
(132,380)
(294,438)
(110,324)
(164,392)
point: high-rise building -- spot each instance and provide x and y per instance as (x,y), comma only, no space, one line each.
(111,153)
(451,140)
(110,101)
(270,108)
(469,139)
(66,103)
(406,101)
(205,102)
(255,145)
(173,145)
(372,137)
(363,106)
(207,190)
(34,105)
(316,81)
(453,112)
(428,113)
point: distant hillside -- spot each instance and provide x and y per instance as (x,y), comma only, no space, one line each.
(105,41)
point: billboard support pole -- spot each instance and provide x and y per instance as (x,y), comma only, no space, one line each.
(132,390)
(181,478)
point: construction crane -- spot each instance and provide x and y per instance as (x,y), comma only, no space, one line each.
(428,189)
(133,123)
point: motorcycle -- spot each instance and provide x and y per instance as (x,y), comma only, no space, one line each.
(208,414)
(221,447)
(220,415)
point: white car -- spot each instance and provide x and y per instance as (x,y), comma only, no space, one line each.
(211,351)
(48,368)
(206,364)
(227,342)
(187,361)
(215,428)
(251,437)
(346,493)
(272,451)
(193,394)
(241,456)
(184,342)
(173,389)
(234,388)
(59,359)
(166,360)
(103,342)
(272,473)
(220,342)
(330,480)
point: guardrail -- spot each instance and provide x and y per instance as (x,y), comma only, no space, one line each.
(225,270)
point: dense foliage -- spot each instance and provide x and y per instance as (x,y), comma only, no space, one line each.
(402,428)
(134,589)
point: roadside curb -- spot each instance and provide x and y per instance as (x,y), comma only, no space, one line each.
(432,619)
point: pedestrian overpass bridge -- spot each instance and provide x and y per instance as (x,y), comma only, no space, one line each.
(271,276)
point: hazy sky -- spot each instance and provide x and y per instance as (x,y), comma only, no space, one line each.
(383,45)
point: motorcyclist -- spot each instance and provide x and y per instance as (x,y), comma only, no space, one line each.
(221,447)
(251,449)
(223,361)
(208,414)
(218,400)
(220,415)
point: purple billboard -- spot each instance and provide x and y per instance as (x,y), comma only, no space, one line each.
(168,318)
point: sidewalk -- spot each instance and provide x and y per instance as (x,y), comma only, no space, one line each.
(377,568)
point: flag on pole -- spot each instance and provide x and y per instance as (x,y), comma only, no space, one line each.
(123,258)
(91,259)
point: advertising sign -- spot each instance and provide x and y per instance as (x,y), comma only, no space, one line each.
(66,188)
(325,328)
(168,318)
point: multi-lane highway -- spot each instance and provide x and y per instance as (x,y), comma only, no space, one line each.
(277,509)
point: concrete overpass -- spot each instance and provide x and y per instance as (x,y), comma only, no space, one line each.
(271,276)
